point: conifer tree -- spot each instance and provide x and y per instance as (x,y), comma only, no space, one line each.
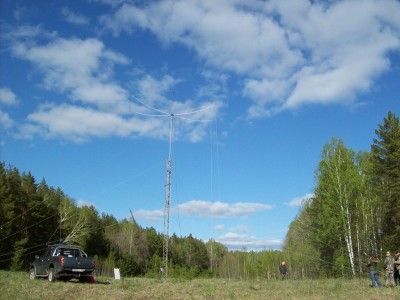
(386,176)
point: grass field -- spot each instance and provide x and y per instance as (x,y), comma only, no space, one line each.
(16,285)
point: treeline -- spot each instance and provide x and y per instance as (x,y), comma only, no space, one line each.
(33,215)
(355,210)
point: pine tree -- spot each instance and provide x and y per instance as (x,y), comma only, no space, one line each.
(386,176)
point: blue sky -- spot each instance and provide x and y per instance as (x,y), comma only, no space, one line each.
(262,86)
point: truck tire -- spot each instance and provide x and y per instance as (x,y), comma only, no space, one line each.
(32,274)
(83,279)
(52,275)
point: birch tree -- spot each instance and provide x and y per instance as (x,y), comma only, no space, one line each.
(337,189)
(368,210)
(73,222)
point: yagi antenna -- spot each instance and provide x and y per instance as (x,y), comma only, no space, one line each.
(172,116)
(179,115)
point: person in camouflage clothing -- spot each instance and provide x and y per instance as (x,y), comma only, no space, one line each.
(389,270)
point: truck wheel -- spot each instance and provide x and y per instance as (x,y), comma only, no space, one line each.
(32,274)
(52,275)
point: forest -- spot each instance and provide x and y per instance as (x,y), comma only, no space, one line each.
(354,212)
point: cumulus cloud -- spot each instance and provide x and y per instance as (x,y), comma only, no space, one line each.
(236,237)
(219,227)
(77,123)
(96,105)
(220,210)
(81,67)
(154,89)
(82,203)
(7,97)
(74,18)
(235,241)
(286,54)
(299,201)
(278,55)
(5,120)
(149,215)
(211,210)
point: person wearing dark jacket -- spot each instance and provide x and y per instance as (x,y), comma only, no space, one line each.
(396,273)
(283,270)
(372,264)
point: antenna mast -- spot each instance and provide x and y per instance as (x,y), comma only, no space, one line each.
(167,204)
(164,269)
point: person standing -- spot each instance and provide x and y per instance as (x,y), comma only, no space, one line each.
(283,270)
(389,266)
(396,268)
(372,264)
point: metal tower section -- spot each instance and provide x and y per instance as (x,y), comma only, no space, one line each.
(172,116)
(167,204)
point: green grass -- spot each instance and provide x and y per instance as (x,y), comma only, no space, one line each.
(16,285)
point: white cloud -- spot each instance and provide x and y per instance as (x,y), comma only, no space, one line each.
(220,210)
(235,241)
(149,215)
(211,210)
(299,201)
(74,18)
(154,90)
(286,54)
(81,67)
(82,203)
(26,33)
(280,55)
(83,70)
(5,120)
(219,227)
(78,123)
(223,34)
(7,97)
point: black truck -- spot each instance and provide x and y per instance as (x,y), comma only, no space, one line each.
(63,262)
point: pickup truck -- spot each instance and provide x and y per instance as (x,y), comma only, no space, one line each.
(63,262)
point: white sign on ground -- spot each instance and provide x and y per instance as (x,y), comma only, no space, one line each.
(117,274)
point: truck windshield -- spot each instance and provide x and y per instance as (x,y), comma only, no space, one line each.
(68,252)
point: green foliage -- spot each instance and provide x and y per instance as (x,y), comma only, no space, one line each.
(340,266)
(17,262)
(128,265)
(94,241)
(300,247)
(183,272)
(154,267)
(355,207)
(336,195)
(215,253)
(106,266)
(386,176)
